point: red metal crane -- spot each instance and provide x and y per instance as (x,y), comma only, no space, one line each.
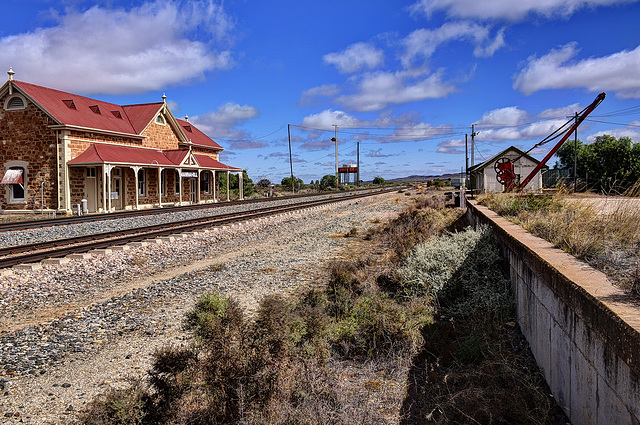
(504,165)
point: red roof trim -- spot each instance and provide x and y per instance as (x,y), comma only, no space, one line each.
(104,153)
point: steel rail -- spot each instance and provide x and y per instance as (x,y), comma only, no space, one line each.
(59,248)
(48,222)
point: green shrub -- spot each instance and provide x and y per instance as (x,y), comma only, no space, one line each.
(463,271)
(213,317)
(118,407)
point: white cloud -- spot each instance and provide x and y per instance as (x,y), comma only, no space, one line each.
(377,90)
(422,43)
(327,90)
(632,132)
(617,72)
(355,57)
(328,118)
(417,131)
(562,112)
(451,147)
(510,115)
(378,153)
(508,9)
(224,123)
(118,51)
(535,130)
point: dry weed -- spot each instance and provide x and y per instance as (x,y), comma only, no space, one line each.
(603,231)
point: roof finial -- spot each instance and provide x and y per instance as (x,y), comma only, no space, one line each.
(164,98)
(10,72)
(186,118)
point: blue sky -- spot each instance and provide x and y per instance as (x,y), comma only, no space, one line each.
(406,79)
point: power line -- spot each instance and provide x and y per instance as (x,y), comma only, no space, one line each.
(251,140)
(613,123)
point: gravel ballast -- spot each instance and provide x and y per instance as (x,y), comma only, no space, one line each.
(71,331)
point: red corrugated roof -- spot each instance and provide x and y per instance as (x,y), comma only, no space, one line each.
(176,156)
(74,110)
(196,136)
(104,153)
(208,162)
(141,115)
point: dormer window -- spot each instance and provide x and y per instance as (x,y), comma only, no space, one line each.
(160,120)
(15,103)
(70,104)
(117,114)
(188,128)
(95,109)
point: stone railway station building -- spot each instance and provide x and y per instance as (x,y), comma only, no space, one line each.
(58,149)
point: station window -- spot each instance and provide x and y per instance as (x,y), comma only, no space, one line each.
(16,190)
(205,183)
(142,183)
(177,181)
(163,182)
(91,172)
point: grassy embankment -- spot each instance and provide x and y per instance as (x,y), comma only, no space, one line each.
(416,330)
(604,232)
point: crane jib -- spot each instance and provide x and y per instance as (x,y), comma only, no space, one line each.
(507,175)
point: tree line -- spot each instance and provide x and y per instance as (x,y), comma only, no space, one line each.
(606,165)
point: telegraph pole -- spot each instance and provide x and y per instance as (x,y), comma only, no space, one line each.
(358,164)
(335,139)
(575,157)
(293,186)
(466,159)
(473,143)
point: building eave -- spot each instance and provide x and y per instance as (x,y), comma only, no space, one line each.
(96,130)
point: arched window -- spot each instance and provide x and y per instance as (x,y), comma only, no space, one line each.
(160,120)
(14,103)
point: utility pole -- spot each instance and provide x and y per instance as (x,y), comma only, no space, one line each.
(473,144)
(335,139)
(575,157)
(293,186)
(358,164)
(466,159)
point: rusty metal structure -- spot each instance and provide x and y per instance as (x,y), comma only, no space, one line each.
(504,166)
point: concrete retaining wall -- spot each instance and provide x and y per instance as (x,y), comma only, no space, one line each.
(584,333)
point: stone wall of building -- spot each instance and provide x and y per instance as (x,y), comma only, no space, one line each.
(160,137)
(26,138)
(209,152)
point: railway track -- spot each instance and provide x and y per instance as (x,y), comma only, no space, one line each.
(31,253)
(48,222)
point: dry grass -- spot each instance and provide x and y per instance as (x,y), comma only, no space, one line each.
(603,231)
(340,353)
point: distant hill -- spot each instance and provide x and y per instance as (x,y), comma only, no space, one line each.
(424,178)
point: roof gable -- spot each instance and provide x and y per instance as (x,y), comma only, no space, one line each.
(493,159)
(142,115)
(196,136)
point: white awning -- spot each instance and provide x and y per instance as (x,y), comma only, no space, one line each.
(12,177)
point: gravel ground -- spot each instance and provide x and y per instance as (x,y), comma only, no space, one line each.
(69,332)
(22,237)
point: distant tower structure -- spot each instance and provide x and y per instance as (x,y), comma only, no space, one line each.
(348,173)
